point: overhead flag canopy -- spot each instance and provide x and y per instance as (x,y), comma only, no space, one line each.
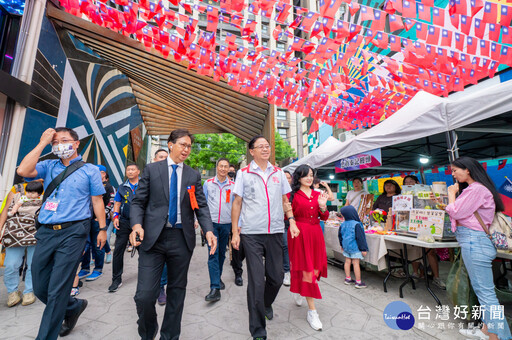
(356,69)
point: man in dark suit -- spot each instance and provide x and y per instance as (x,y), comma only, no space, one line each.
(162,215)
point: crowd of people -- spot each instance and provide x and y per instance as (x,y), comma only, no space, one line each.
(270,218)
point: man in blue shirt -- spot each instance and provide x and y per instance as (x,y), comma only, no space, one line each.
(122,202)
(65,219)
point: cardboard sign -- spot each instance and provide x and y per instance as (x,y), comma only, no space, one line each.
(402,202)
(427,218)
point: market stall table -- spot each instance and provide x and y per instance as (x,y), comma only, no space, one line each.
(380,247)
(377,247)
(407,240)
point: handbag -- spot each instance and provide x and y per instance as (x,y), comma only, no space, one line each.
(54,184)
(19,231)
(19,228)
(458,286)
(500,231)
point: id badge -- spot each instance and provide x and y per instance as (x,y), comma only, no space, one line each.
(51,204)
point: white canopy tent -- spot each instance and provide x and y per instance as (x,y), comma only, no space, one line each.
(424,115)
(319,156)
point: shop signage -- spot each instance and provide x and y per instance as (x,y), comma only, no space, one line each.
(365,160)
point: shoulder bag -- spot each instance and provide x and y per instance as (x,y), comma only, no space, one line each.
(55,183)
(500,231)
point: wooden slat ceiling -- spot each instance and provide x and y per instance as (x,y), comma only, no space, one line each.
(168,95)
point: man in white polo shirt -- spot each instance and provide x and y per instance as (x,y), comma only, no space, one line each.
(218,192)
(260,195)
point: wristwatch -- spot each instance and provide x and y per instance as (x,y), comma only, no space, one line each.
(104,228)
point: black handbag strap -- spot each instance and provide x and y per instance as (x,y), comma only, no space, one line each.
(61,177)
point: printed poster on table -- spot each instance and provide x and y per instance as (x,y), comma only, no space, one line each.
(365,160)
(402,202)
(427,218)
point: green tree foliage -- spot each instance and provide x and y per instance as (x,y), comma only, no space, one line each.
(207,148)
(283,150)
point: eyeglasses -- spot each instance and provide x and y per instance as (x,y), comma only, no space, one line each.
(184,146)
(263,147)
(55,142)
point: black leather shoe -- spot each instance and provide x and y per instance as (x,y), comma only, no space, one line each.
(70,322)
(114,286)
(213,296)
(239,281)
(222,285)
(269,313)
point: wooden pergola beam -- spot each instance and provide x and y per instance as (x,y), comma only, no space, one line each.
(167,93)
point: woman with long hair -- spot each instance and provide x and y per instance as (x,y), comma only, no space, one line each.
(475,193)
(308,258)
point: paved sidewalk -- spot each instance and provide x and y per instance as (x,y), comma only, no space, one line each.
(346,312)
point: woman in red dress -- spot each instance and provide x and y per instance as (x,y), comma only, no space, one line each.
(308,259)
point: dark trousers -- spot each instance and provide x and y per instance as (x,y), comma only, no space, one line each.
(122,237)
(54,266)
(237,258)
(216,261)
(286,256)
(91,248)
(265,277)
(163,278)
(172,249)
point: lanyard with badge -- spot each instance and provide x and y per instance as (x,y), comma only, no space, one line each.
(52,203)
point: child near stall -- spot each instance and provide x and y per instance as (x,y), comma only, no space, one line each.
(353,244)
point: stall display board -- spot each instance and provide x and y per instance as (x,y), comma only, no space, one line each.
(427,218)
(402,221)
(422,191)
(402,202)
(439,189)
(408,189)
(365,206)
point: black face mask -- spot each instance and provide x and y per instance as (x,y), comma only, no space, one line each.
(232,174)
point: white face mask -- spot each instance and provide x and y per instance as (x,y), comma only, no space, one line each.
(63,151)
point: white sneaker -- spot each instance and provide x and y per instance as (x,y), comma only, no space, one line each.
(439,283)
(314,320)
(286,280)
(475,333)
(298,299)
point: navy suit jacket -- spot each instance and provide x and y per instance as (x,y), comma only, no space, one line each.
(150,206)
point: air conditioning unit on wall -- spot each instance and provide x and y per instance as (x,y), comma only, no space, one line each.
(346,135)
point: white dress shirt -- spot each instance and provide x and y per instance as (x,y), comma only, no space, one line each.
(179,170)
